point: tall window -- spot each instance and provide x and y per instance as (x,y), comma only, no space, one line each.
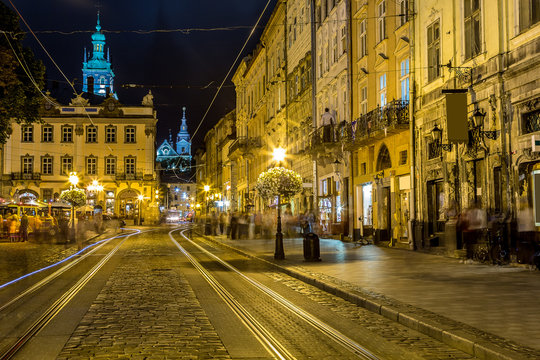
(27,133)
(110,134)
(67,133)
(47,133)
(129,163)
(67,165)
(47,165)
(472,28)
(343,39)
(434,46)
(404,79)
(110,165)
(529,13)
(130,134)
(334,49)
(363,100)
(91,165)
(27,164)
(363,39)
(91,134)
(381,21)
(403,12)
(382,90)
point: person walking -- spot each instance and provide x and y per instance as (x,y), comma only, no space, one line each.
(23,228)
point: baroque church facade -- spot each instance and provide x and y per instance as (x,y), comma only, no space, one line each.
(177,157)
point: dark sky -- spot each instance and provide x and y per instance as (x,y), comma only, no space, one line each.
(158,59)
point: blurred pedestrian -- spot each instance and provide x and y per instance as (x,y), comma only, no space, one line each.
(222,221)
(234,226)
(476,224)
(23,228)
(526,233)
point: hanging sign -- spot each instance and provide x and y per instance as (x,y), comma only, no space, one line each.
(535,143)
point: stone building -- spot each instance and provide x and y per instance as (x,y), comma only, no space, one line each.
(332,92)
(380,141)
(494,65)
(104,140)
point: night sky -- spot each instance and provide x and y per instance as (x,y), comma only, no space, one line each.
(187,62)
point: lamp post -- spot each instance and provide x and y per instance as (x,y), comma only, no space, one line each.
(279,254)
(206,190)
(140,198)
(74,180)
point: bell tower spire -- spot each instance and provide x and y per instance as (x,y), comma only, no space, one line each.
(98,76)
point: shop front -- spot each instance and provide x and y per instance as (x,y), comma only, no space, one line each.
(127,203)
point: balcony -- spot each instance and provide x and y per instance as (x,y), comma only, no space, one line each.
(122,176)
(25,176)
(379,123)
(243,145)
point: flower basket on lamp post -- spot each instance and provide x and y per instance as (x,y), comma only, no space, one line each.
(278,182)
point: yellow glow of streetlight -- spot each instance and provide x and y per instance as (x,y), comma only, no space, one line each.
(279,154)
(206,188)
(198,206)
(95,186)
(73,178)
(140,197)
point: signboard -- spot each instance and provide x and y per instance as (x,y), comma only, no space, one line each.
(536,196)
(535,139)
(456,116)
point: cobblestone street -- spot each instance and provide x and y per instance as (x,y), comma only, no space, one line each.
(146,310)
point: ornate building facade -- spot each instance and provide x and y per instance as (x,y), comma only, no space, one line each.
(98,76)
(496,68)
(109,142)
(380,140)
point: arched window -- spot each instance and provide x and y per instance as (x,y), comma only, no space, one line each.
(90,83)
(383,159)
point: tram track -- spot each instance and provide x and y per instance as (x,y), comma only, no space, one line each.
(265,336)
(53,310)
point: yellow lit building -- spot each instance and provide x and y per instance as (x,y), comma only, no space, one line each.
(380,141)
(110,142)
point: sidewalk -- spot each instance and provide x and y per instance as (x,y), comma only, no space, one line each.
(484,310)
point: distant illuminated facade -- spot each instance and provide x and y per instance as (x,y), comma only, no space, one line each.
(179,158)
(98,76)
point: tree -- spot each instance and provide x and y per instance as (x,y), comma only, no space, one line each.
(20,99)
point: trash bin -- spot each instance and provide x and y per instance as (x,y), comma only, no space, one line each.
(312,250)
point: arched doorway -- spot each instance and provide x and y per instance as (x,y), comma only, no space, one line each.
(25,195)
(127,203)
(384,198)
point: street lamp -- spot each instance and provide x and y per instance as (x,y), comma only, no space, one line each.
(279,253)
(279,154)
(74,180)
(140,198)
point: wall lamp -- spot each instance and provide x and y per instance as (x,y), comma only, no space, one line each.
(478,120)
(436,135)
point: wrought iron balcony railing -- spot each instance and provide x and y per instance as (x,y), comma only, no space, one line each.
(392,116)
(244,144)
(25,176)
(129,176)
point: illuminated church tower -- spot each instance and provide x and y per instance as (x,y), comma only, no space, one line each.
(98,76)
(183,142)
(179,159)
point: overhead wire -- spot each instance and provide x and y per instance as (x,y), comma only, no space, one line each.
(28,73)
(51,58)
(231,68)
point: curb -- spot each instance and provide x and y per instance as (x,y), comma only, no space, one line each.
(472,341)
